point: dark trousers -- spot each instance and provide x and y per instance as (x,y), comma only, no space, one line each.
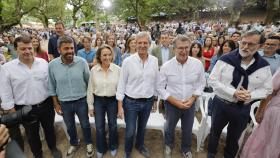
(80,108)
(103,105)
(136,114)
(236,117)
(173,114)
(44,115)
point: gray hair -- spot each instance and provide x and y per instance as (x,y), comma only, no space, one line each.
(182,38)
(252,33)
(64,39)
(144,34)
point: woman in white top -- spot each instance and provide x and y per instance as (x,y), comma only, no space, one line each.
(101,99)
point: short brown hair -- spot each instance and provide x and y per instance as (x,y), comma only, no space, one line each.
(64,39)
(59,23)
(23,38)
(99,50)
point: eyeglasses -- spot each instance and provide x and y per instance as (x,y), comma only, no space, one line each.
(250,44)
(270,45)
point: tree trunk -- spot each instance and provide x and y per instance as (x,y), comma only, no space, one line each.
(272,10)
(235,12)
(46,21)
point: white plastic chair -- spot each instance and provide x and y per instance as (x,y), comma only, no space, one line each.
(207,127)
(156,121)
(252,114)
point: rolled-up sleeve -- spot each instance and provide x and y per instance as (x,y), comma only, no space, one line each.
(52,82)
(201,82)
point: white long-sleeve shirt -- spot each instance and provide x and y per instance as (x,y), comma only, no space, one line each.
(138,80)
(24,86)
(181,81)
(102,83)
(260,81)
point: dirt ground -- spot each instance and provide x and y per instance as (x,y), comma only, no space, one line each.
(153,140)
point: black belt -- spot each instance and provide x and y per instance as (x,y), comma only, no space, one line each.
(230,103)
(38,105)
(137,99)
(106,97)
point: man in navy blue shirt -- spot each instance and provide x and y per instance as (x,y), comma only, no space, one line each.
(52,45)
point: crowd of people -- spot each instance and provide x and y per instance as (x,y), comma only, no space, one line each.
(121,72)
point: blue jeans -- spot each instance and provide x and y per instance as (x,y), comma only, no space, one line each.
(236,117)
(136,112)
(103,105)
(173,114)
(80,108)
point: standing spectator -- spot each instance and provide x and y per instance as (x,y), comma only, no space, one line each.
(26,83)
(135,93)
(181,81)
(235,37)
(88,53)
(37,49)
(207,52)
(239,78)
(130,48)
(265,140)
(52,45)
(68,80)
(226,47)
(112,41)
(101,98)
(164,51)
(269,54)
(97,43)
(196,51)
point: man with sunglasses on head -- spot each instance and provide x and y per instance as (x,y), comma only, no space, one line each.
(239,78)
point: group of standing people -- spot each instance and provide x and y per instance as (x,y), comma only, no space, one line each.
(104,82)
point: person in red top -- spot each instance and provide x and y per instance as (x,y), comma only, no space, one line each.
(208,51)
(38,51)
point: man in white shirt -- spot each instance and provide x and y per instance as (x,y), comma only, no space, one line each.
(26,83)
(239,78)
(181,81)
(136,91)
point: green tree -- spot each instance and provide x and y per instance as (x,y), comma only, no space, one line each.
(272,9)
(49,9)
(11,12)
(77,6)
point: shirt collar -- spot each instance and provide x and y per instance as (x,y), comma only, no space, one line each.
(19,62)
(75,60)
(140,60)
(99,68)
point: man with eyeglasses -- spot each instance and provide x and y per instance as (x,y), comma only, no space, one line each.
(239,78)
(181,81)
(269,54)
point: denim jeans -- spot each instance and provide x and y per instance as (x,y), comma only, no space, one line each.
(136,112)
(173,114)
(103,105)
(236,117)
(80,108)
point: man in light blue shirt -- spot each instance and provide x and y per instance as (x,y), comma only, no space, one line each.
(68,80)
(269,54)
(88,53)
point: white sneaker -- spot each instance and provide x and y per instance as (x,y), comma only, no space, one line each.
(71,150)
(114,152)
(99,155)
(90,151)
(187,155)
